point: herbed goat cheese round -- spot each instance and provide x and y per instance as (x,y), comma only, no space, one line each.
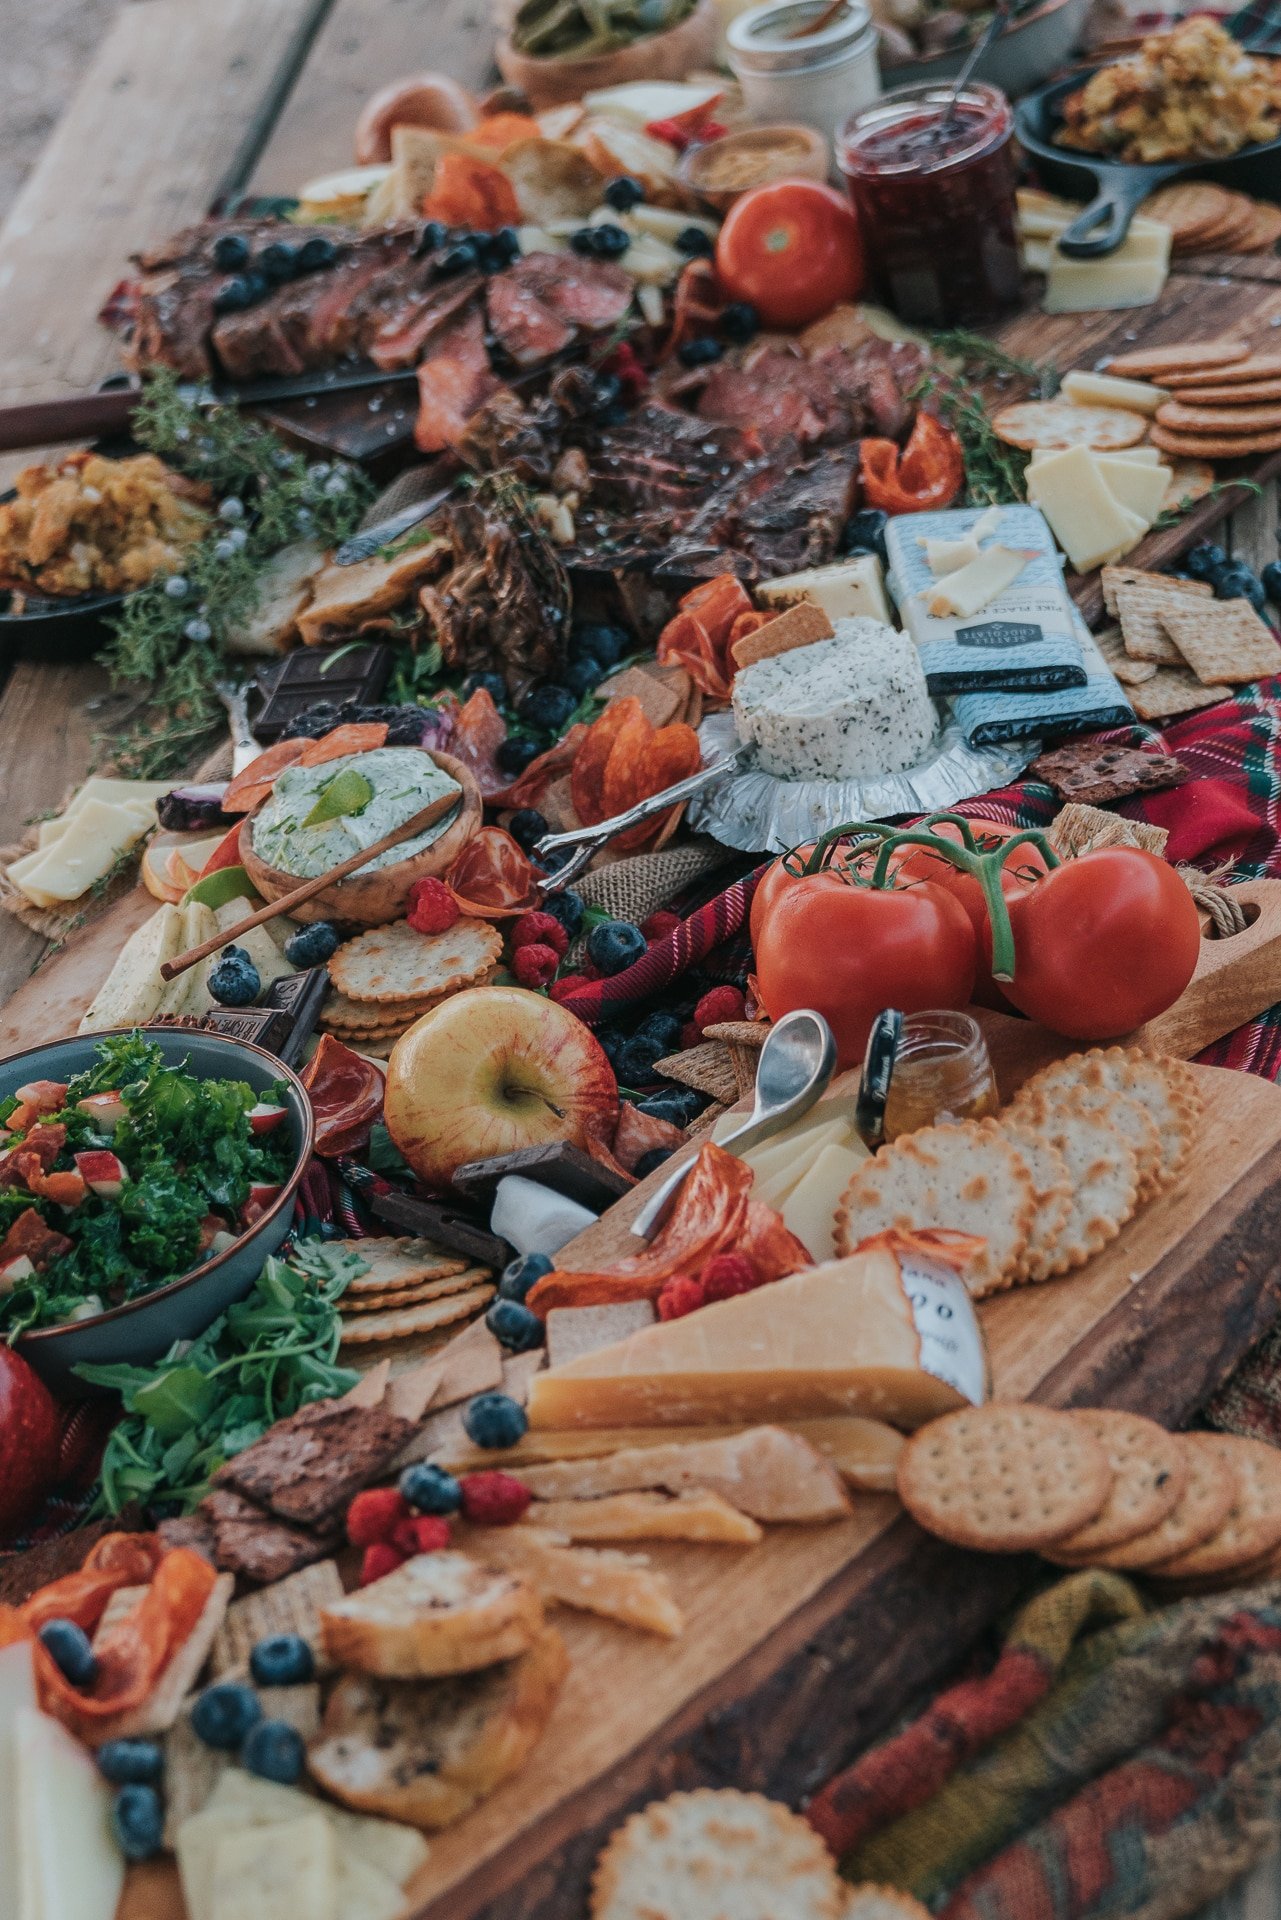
(854,705)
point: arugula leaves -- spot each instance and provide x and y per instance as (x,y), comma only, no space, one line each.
(207,1400)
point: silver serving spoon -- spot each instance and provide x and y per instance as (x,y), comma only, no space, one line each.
(796,1064)
(998,22)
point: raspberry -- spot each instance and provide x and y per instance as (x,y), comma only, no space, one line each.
(494,1499)
(425,1533)
(691,1036)
(535,966)
(540,929)
(660,924)
(722,1003)
(680,1296)
(374,1515)
(726,1274)
(380,1558)
(432,907)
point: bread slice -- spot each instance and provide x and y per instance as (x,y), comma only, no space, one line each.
(426,1751)
(712,1853)
(437,1614)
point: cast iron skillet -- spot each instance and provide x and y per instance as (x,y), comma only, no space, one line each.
(1118,187)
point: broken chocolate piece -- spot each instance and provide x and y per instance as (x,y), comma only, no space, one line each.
(1094,774)
(300,996)
(310,674)
(308,1467)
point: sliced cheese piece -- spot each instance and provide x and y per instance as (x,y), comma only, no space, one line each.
(1143,456)
(70,1867)
(199,923)
(1088,523)
(1137,486)
(978,584)
(1133,276)
(987,524)
(947,556)
(365,1892)
(85,853)
(17,1693)
(285,1872)
(769,1473)
(704,1517)
(844,590)
(839,1338)
(130,994)
(776,1189)
(638,102)
(48,831)
(809,1210)
(1105,390)
(246,1798)
(1037,255)
(790,1159)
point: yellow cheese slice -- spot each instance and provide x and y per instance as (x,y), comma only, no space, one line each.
(1138,487)
(1136,456)
(977,584)
(17,1692)
(285,1872)
(1133,276)
(809,1210)
(839,1338)
(775,1179)
(1106,390)
(1088,523)
(845,590)
(94,839)
(69,1866)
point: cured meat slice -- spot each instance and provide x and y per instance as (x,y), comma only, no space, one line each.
(523,323)
(454,382)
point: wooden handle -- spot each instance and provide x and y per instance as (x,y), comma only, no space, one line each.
(418,823)
(81,416)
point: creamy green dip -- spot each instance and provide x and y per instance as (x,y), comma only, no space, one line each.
(404,780)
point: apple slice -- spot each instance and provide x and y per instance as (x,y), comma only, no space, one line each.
(102,1171)
(213,890)
(173,862)
(225,854)
(265,1117)
(106,1110)
(260,1198)
(14,1270)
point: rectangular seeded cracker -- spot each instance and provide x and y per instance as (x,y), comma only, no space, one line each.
(1225,643)
(291,1606)
(1173,690)
(1140,609)
(1131,673)
(1113,578)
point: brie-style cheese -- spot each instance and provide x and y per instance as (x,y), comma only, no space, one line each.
(853,705)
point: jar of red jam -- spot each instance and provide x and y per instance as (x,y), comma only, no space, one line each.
(935,201)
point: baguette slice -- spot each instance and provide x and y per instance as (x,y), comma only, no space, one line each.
(439,1613)
(648,1516)
(766,1472)
(621,1586)
(427,1751)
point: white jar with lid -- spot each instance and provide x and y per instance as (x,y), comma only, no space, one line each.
(818,79)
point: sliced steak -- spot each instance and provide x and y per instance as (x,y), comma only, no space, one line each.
(307,1468)
(523,324)
(406,327)
(455,380)
(593,294)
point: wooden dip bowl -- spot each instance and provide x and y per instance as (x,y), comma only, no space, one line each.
(373,899)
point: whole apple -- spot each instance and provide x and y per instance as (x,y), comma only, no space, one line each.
(489,1071)
(30,1438)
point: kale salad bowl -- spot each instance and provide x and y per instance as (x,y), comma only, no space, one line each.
(145,1178)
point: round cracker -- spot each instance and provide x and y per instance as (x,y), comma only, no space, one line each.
(1245,395)
(1004,1478)
(1057,423)
(1255,366)
(1202,417)
(1214,447)
(1103,1172)
(1167,1088)
(1188,208)
(1079,1084)
(1190,481)
(1194,356)
(967,1177)
(1151,1472)
(366,1016)
(1267,228)
(399,1323)
(716,1850)
(1052,1187)
(1207,1497)
(1251,1527)
(394,963)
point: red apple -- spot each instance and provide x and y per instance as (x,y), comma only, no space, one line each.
(265,1117)
(106,1110)
(30,1438)
(102,1171)
(489,1071)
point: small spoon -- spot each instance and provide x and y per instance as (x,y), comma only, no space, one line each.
(1000,18)
(796,1064)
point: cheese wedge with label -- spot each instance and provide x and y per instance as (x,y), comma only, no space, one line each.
(809,1210)
(976,585)
(69,1866)
(1088,523)
(845,590)
(839,1338)
(1106,390)
(1138,487)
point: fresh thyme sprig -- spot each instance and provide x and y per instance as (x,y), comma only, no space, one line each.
(994,472)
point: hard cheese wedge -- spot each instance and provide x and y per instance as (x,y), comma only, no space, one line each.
(1105,390)
(1138,487)
(809,1210)
(69,1865)
(1088,523)
(844,590)
(1133,276)
(839,1338)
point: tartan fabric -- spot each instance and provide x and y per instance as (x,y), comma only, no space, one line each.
(715,926)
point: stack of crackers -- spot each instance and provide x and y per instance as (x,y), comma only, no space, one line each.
(1176,647)
(1223,401)
(411,1291)
(1087,1142)
(1205,218)
(388,977)
(1099,1488)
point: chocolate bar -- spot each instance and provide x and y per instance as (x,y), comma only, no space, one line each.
(353,671)
(443,1226)
(300,996)
(558,1165)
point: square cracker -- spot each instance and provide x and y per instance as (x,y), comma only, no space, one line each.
(1224,643)
(292,1605)
(800,626)
(1140,608)
(1173,690)
(1131,673)
(659,702)
(1112,578)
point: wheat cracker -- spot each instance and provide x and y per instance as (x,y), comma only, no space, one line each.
(1266,229)
(1190,481)
(1114,577)
(394,963)
(1251,1527)
(1189,208)
(1204,1506)
(412,1296)
(713,1853)
(1139,607)
(291,1605)
(1234,224)
(400,1323)
(1244,395)
(396,1260)
(1224,645)
(1151,1472)
(1214,417)
(1103,1172)
(1171,691)
(1168,364)
(1030,424)
(799,626)
(1218,446)
(1254,366)
(1079,1085)
(967,1177)
(1004,1478)
(1130,672)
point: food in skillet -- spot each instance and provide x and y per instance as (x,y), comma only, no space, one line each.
(125,1179)
(95,525)
(1191,93)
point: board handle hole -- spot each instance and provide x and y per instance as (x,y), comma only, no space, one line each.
(1250,911)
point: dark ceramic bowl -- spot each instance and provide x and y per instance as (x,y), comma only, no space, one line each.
(143,1330)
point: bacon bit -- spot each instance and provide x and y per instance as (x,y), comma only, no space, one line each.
(254,782)
(64,1189)
(357,737)
(43,1096)
(346,1093)
(492,878)
(32,1236)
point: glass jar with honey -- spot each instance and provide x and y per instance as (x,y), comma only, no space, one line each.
(942,1072)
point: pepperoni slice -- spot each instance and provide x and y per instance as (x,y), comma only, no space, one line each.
(772,1249)
(357,737)
(624,781)
(492,878)
(670,754)
(587,778)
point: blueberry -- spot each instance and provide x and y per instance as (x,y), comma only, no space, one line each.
(740,322)
(663,1027)
(138,1821)
(515,1327)
(609,391)
(406,730)
(1238,582)
(233,979)
(694,243)
(494,1420)
(430,1489)
(527,827)
(504,246)
(519,1275)
(431,237)
(514,755)
(610,242)
(1270,580)
(316,253)
(650,1161)
(567,907)
(279,261)
(1204,559)
(224,1713)
(491,683)
(616,944)
(236,295)
(282,1660)
(699,353)
(665,1106)
(583,240)
(600,641)
(866,529)
(312,945)
(460,258)
(129,1763)
(612,1043)
(547,707)
(68,1647)
(274,1751)
(230,251)
(637,1062)
(583,676)
(623,193)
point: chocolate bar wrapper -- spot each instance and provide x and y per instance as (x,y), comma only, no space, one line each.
(993,719)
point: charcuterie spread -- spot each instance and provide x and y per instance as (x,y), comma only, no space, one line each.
(596,1129)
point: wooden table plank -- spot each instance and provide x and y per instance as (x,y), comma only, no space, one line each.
(362,45)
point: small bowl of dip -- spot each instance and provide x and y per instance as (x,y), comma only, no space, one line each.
(720,170)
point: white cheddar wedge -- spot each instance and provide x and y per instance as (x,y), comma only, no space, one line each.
(386,1844)
(810,1208)
(130,994)
(845,590)
(1088,523)
(85,853)
(286,1872)
(1105,390)
(1037,255)
(1136,485)
(17,1694)
(1133,276)
(977,584)
(987,524)
(70,1867)
(948,556)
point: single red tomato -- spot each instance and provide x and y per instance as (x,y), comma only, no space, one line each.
(30,1438)
(918,863)
(848,952)
(792,250)
(776,879)
(1102,943)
